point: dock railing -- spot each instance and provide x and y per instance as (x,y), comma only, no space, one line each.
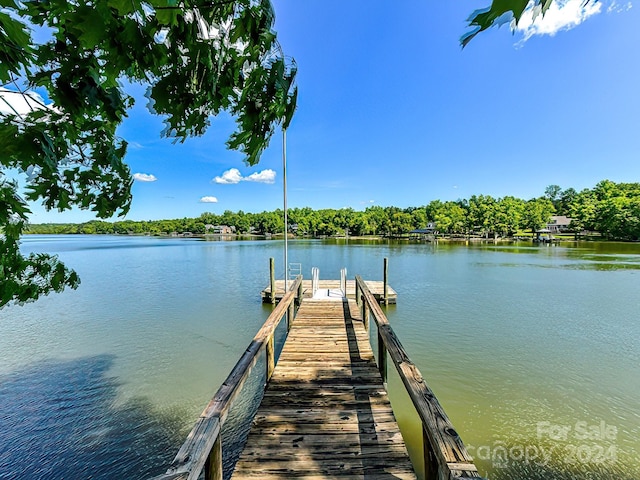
(445,456)
(202,450)
(315,280)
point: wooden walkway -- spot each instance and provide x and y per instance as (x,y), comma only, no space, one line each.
(325,413)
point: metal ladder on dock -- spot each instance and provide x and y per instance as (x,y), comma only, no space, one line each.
(328,293)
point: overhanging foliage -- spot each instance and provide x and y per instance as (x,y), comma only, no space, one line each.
(504,11)
(197,59)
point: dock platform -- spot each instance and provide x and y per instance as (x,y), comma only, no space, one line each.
(376,288)
(325,412)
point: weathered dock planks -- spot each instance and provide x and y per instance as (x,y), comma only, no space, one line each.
(325,412)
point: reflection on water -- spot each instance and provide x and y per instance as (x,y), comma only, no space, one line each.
(105,381)
(59,421)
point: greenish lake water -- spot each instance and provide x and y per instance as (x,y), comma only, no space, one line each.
(533,351)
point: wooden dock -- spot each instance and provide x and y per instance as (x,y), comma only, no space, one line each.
(325,412)
(376,288)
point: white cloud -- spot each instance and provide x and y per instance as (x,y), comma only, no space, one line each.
(21,103)
(208,200)
(265,176)
(562,15)
(615,7)
(233,176)
(229,177)
(144,177)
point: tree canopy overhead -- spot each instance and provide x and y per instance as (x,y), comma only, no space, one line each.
(196,58)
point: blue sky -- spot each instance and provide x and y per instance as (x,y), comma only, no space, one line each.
(391,111)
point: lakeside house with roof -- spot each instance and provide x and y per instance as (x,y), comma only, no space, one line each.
(424,232)
(559,224)
(220,229)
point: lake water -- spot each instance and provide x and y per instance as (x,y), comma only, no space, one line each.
(532,350)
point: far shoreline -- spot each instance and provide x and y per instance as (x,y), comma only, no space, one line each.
(591,237)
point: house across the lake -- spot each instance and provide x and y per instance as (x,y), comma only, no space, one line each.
(558,224)
(220,229)
(430,230)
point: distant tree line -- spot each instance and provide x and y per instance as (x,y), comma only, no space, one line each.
(611,209)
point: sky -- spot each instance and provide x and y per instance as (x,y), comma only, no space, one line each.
(392,112)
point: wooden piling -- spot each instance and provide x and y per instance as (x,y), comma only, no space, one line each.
(290,315)
(430,461)
(300,293)
(382,359)
(365,315)
(272,273)
(386,281)
(270,354)
(213,466)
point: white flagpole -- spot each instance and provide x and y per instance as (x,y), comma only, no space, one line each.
(286,229)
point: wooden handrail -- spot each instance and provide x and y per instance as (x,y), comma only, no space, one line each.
(203,449)
(445,455)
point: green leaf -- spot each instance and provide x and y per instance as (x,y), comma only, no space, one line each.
(483,19)
(545,5)
(90,27)
(123,7)
(167,16)
(15,47)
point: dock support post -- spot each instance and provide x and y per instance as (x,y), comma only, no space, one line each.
(430,462)
(365,315)
(299,299)
(386,281)
(270,359)
(272,275)
(382,359)
(290,314)
(213,465)
(364,306)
